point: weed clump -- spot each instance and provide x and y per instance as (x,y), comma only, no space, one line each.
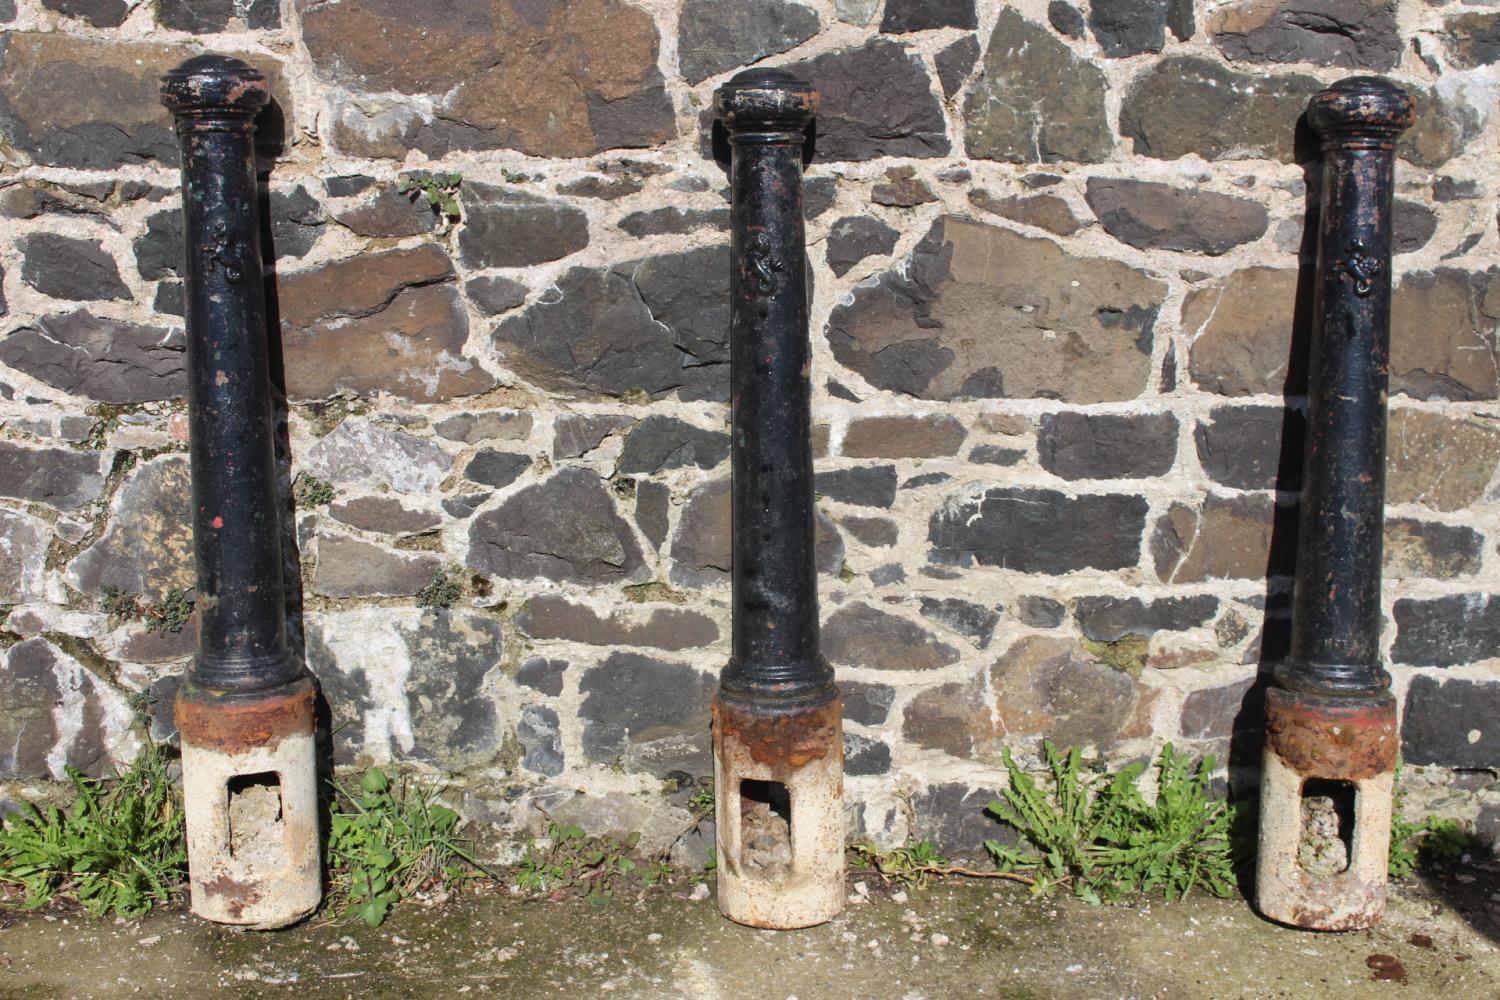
(1422,843)
(576,864)
(120,848)
(167,614)
(310,491)
(443,590)
(387,842)
(1099,835)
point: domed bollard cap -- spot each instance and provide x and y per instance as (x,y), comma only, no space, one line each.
(765,97)
(1369,108)
(215,83)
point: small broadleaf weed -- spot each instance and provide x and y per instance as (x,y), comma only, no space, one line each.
(1099,835)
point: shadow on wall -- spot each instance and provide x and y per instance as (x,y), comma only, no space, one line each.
(1247,738)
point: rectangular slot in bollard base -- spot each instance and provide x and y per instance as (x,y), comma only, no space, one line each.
(1325,810)
(779,814)
(250,795)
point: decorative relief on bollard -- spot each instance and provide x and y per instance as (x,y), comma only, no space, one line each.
(245,709)
(778,729)
(1331,737)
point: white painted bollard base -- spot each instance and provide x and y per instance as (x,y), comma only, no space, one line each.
(1285,891)
(808,887)
(268,875)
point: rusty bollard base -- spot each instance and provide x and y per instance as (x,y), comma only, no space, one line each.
(250,793)
(1329,880)
(779,811)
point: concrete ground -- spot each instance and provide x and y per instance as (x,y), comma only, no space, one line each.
(950,940)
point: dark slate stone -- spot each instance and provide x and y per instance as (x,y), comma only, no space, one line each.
(36,678)
(919,15)
(1110,619)
(1040,612)
(348,185)
(884,576)
(147,547)
(1353,33)
(867,704)
(658,221)
(203,17)
(1446,189)
(717,35)
(876,532)
(701,553)
(541,739)
(877,100)
(1038,101)
(862,485)
(1252,447)
(54,476)
(1474,39)
(387,212)
(496,469)
(994,454)
(952,816)
(1188,104)
(955,62)
(65,268)
(1412,225)
(564,529)
(818,195)
(508,227)
(169,299)
(453,718)
(107,360)
(1066,19)
(925,479)
(158,251)
(658,325)
(858,635)
(974,622)
(494,295)
(576,434)
(1451,723)
(978,311)
(853,238)
(99,13)
(1180,19)
(863,755)
(1129,27)
(653,503)
(297,221)
(659,443)
(651,713)
(1430,549)
(345,689)
(1447,631)
(1038,531)
(543,675)
(1154,216)
(1107,445)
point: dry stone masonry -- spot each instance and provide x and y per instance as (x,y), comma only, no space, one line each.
(1060,309)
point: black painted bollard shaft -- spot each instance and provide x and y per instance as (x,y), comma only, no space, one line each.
(245,711)
(1331,740)
(775,630)
(240,602)
(1336,608)
(778,743)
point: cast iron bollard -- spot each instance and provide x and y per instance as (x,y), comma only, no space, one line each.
(245,709)
(778,729)
(1331,739)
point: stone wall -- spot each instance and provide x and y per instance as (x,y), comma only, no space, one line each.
(1058,330)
